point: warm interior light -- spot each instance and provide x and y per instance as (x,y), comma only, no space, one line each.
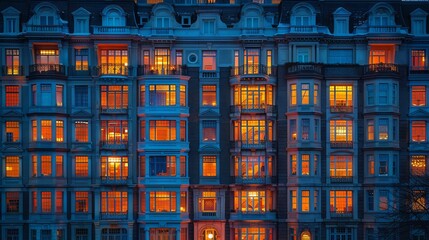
(210,235)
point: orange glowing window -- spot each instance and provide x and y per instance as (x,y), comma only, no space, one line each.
(293,164)
(370,130)
(418,59)
(12,62)
(383,200)
(114,61)
(182,95)
(81,202)
(162,130)
(114,167)
(209,131)
(418,96)
(81,166)
(418,165)
(162,202)
(305,164)
(418,201)
(341,130)
(182,130)
(12,167)
(293,94)
(114,202)
(381,54)
(341,166)
(12,131)
(81,59)
(142,130)
(59,130)
(251,61)
(33,130)
(12,202)
(59,166)
(253,96)
(252,201)
(183,166)
(209,166)
(305,93)
(254,131)
(81,131)
(340,96)
(47,57)
(293,200)
(46,166)
(371,165)
(207,202)
(252,167)
(59,92)
(305,201)
(114,131)
(162,95)
(46,201)
(46,130)
(183,201)
(162,59)
(418,131)
(209,60)
(254,233)
(142,95)
(114,97)
(209,95)
(58,202)
(341,202)
(12,96)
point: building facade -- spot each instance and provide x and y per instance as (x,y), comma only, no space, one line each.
(214,119)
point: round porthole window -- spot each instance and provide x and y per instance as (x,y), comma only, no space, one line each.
(192,58)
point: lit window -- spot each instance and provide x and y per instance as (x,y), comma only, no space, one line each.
(183,201)
(269,62)
(254,233)
(114,168)
(252,167)
(305,164)
(293,164)
(207,202)
(44,166)
(305,201)
(418,131)
(162,130)
(12,167)
(59,95)
(293,94)
(383,200)
(142,130)
(114,61)
(179,58)
(341,166)
(305,129)
(162,166)
(183,166)
(381,54)
(182,130)
(418,59)
(252,201)
(81,202)
(12,131)
(162,202)
(58,202)
(251,97)
(81,131)
(209,97)
(114,202)
(162,55)
(305,94)
(418,201)
(251,61)
(370,130)
(12,202)
(81,166)
(418,96)
(341,131)
(209,166)
(12,98)
(114,132)
(236,62)
(46,130)
(81,96)
(59,130)
(341,98)
(163,233)
(81,59)
(209,131)
(114,97)
(341,202)
(209,60)
(59,166)
(182,95)
(383,129)
(418,165)
(162,95)
(46,201)
(293,200)
(371,165)
(47,59)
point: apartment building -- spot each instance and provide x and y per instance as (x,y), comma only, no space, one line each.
(214,120)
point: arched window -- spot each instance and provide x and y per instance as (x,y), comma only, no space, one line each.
(209,234)
(113,16)
(305,235)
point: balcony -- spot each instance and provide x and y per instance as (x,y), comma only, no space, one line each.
(252,180)
(112,30)
(341,108)
(419,69)
(341,214)
(382,68)
(114,215)
(112,69)
(341,144)
(114,180)
(384,29)
(253,215)
(47,70)
(304,68)
(303,29)
(252,31)
(162,31)
(341,179)
(114,144)
(109,110)
(45,28)
(13,70)
(159,70)
(262,144)
(209,74)
(255,108)
(253,69)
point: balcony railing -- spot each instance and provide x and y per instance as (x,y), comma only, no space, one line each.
(253,144)
(112,30)
(118,110)
(120,144)
(419,69)
(162,31)
(114,215)
(341,214)
(341,179)
(253,69)
(304,68)
(254,108)
(381,68)
(251,31)
(341,144)
(113,69)
(47,69)
(303,29)
(383,29)
(159,70)
(114,179)
(208,214)
(341,108)
(13,70)
(209,74)
(251,179)
(44,28)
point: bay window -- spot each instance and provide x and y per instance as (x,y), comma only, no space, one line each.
(341,202)
(418,131)
(253,97)
(162,130)
(162,201)
(13,131)
(341,166)
(418,96)
(252,167)
(341,132)
(114,61)
(253,201)
(162,166)
(114,168)
(114,131)
(114,97)
(341,98)
(47,165)
(114,202)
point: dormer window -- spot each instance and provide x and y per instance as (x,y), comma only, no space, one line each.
(341,21)
(302,15)
(11,20)
(382,15)
(113,16)
(418,22)
(46,16)
(81,20)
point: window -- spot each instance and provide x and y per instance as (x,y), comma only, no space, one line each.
(418,165)
(305,201)
(162,202)
(179,55)
(46,130)
(44,166)
(341,98)
(418,201)
(341,131)
(370,94)
(236,62)
(293,164)
(12,202)
(162,233)
(370,130)
(81,96)
(418,59)
(269,62)
(46,202)
(12,96)
(383,93)
(252,22)
(207,203)
(81,234)
(340,56)
(252,201)
(162,130)
(114,202)
(292,129)
(162,166)
(316,94)
(81,202)
(162,58)
(81,166)
(12,131)
(162,95)
(371,165)
(341,233)
(182,95)
(114,132)
(305,129)
(81,25)
(114,97)
(11,24)
(81,59)
(383,129)
(370,200)
(48,59)
(418,131)
(383,200)
(305,93)
(254,233)
(81,131)
(253,97)
(383,168)
(293,94)
(114,233)
(209,131)
(253,132)
(418,96)
(209,98)
(183,201)
(59,130)
(341,166)
(12,62)
(114,61)
(209,166)
(303,54)
(305,164)
(341,202)
(251,61)
(114,168)
(209,60)
(252,167)
(293,200)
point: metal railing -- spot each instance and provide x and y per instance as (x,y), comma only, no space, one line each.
(47,69)
(159,70)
